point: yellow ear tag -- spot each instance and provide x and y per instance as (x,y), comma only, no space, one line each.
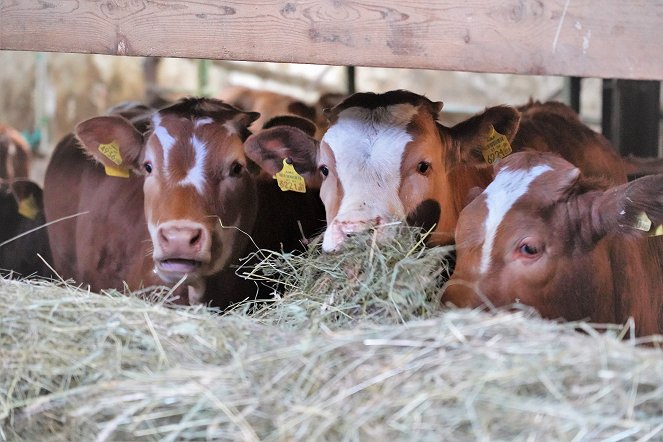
(496,147)
(28,207)
(119,172)
(644,223)
(112,152)
(289,179)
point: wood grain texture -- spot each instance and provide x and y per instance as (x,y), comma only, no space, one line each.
(589,38)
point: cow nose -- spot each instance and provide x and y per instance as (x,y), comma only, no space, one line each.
(460,293)
(180,239)
(351,228)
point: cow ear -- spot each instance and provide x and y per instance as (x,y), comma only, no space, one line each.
(244,119)
(30,198)
(112,140)
(269,147)
(635,208)
(472,135)
(305,125)
(472,194)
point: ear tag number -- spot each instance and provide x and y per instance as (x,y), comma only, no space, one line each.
(28,208)
(289,179)
(496,147)
(644,223)
(112,152)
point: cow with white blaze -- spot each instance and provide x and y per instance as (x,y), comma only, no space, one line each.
(543,235)
(174,203)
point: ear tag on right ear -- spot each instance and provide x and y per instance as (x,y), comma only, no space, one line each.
(496,146)
(289,179)
(644,223)
(28,208)
(112,152)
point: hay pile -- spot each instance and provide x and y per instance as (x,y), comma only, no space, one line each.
(393,281)
(80,366)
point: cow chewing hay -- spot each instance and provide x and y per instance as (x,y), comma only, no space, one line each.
(81,366)
(393,281)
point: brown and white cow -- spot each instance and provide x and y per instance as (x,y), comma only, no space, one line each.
(22,241)
(190,199)
(386,157)
(543,235)
(15,155)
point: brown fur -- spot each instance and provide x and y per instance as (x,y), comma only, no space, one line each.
(591,262)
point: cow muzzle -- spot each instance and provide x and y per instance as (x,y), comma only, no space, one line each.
(182,248)
(339,231)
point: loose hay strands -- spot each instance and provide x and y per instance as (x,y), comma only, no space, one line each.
(80,366)
(393,280)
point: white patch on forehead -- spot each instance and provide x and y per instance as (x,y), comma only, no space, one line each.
(368,145)
(166,140)
(196,175)
(501,194)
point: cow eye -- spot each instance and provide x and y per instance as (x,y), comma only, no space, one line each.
(423,167)
(147,166)
(236,169)
(529,250)
(324,170)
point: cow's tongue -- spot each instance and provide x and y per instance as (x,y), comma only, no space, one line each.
(179,265)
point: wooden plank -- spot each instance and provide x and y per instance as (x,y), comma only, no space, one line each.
(586,38)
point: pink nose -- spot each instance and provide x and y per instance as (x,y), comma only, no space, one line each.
(181,239)
(350,228)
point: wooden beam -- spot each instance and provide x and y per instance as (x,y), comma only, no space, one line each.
(586,38)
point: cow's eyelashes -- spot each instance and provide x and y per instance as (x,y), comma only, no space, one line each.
(324,170)
(236,169)
(529,249)
(423,167)
(147,165)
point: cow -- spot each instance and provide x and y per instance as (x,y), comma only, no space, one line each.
(271,104)
(543,235)
(15,155)
(178,202)
(386,157)
(24,249)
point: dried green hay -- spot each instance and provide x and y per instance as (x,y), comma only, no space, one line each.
(111,367)
(393,280)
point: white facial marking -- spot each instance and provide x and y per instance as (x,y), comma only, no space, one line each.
(165,138)
(196,175)
(501,194)
(368,145)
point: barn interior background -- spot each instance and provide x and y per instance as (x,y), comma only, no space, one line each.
(45,94)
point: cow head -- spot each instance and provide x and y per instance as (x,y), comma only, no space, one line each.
(538,234)
(197,185)
(385,157)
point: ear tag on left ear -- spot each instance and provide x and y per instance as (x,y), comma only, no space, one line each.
(289,179)
(496,146)
(28,208)
(119,172)
(112,152)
